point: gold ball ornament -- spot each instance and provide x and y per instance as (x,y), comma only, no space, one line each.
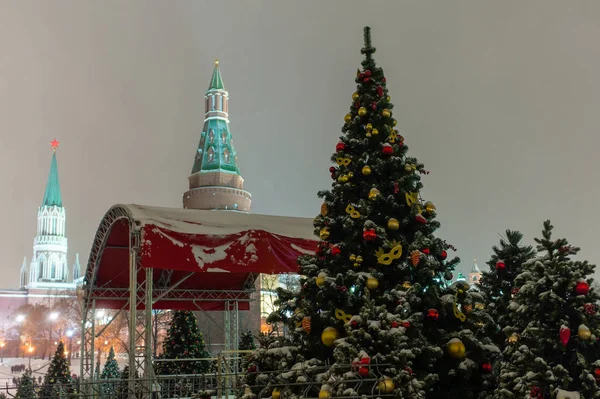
(324,394)
(393,224)
(406,285)
(374,193)
(394,122)
(362,111)
(372,283)
(324,233)
(344,179)
(583,332)
(375,132)
(276,394)
(320,281)
(368,134)
(408,167)
(369,126)
(329,335)
(386,385)
(366,170)
(513,339)
(355,96)
(429,207)
(347,118)
(385,113)
(388,98)
(456,348)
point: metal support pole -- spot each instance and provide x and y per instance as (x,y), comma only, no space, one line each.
(148,367)
(132,315)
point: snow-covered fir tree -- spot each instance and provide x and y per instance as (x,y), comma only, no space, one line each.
(57,381)
(26,389)
(505,264)
(553,349)
(184,340)
(111,373)
(373,314)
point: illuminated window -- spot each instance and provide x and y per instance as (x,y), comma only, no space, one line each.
(224,137)
(226,155)
(211,154)
(211,136)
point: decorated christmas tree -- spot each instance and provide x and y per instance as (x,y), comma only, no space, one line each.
(553,330)
(110,372)
(247,341)
(184,341)
(122,391)
(57,381)
(497,284)
(26,389)
(375,313)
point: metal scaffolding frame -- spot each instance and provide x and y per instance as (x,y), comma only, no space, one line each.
(138,299)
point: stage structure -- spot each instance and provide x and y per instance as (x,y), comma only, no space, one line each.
(146,258)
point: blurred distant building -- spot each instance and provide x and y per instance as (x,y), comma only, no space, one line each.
(475,274)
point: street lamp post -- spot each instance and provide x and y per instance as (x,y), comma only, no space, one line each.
(2,344)
(31,349)
(70,336)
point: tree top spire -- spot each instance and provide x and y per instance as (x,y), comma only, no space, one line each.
(368,50)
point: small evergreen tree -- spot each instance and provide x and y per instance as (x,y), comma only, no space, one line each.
(497,284)
(110,372)
(184,341)
(247,341)
(553,350)
(122,389)
(26,388)
(58,378)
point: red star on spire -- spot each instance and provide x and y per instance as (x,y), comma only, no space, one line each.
(54,144)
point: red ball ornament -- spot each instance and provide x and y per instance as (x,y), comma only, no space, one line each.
(252,369)
(444,255)
(394,324)
(500,265)
(367,80)
(387,149)
(354,324)
(374,106)
(515,291)
(408,370)
(340,146)
(406,324)
(486,367)
(368,73)
(597,373)
(361,76)
(379,91)
(369,234)
(357,105)
(363,371)
(383,80)
(332,169)
(582,288)
(425,251)
(333,176)
(365,360)
(433,314)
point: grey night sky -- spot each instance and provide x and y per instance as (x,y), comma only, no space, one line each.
(500,100)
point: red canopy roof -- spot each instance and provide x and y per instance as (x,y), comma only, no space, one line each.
(209,256)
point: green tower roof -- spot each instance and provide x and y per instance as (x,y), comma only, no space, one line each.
(215,151)
(216,82)
(52,195)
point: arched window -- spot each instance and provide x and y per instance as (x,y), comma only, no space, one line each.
(41,262)
(226,155)
(211,136)
(53,269)
(211,154)
(224,137)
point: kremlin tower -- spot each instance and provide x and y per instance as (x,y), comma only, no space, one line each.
(475,274)
(49,266)
(215,182)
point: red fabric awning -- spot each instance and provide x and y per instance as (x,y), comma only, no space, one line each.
(220,248)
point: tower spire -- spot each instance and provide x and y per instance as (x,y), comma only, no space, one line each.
(216,82)
(52,195)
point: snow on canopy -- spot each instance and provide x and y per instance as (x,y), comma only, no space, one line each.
(221,248)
